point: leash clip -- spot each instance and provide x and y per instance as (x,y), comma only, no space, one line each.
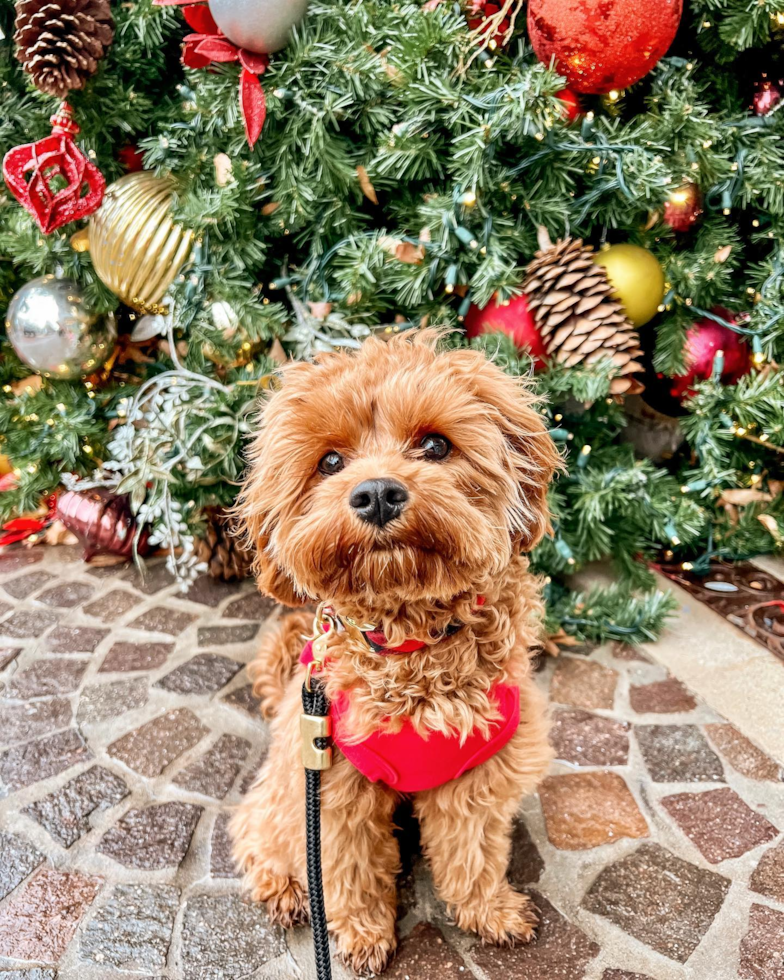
(312,727)
(324,623)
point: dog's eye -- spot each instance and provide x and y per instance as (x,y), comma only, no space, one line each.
(435,446)
(331,463)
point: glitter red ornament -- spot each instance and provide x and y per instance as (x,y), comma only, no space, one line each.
(572,109)
(33,171)
(704,340)
(512,318)
(103,522)
(683,208)
(601,45)
(767,96)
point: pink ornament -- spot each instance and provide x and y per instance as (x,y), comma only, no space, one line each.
(601,45)
(703,342)
(512,318)
(767,96)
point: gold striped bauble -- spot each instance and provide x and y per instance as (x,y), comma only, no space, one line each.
(135,246)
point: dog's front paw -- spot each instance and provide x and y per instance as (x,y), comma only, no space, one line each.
(285,898)
(509,919)
(366,954)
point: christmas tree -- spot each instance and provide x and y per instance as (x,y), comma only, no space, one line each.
(594,212)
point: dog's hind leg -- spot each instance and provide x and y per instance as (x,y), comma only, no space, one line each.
(273,667)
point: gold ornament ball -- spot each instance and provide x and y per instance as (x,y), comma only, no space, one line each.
(136,248)
(637,280)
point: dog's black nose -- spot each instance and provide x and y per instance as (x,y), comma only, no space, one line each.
(378,501)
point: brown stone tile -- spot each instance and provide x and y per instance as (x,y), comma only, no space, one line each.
(5,608)
(242,698)
(67,595)
(214,773)
(22,722)
(586,809)
(205,673)
(208,591)
(28,623)
(559,950)
(426,955)
(589,740)
(24,585)
(685,898)
(623,975)
(154,578)
(65,812)
(42,758)
(761,948)
(768,876)
(678,754)
(15,559)
(221,862)
(525,861)
(625,651)
(155,745)
(8,655)
(112,605)
(219,636)
(111,700)
(663,697)
(44,678)
(226,936)
(251,605)
(719,823)
(583,683)
(75,639)
(155,837)
(161,619)
(135,656)
(18,859)
(742,754)
(40,920)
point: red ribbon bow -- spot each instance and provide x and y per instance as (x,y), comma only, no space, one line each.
(209,45)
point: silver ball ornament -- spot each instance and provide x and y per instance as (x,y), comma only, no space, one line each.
(262,26)
(54,330)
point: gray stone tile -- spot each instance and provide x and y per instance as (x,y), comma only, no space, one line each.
(205,673)
(214,773)
(18,859)
(65,812)
(152,838)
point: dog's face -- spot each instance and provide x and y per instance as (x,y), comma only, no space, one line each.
(399,472)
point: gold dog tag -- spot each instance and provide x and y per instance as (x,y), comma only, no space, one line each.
(312,727)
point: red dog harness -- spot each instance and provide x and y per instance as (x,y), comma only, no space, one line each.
(409,762)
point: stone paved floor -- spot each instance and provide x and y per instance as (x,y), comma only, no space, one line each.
(127,734)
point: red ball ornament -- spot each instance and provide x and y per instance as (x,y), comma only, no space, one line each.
(572,109)
(683,208)
(601,45)
(511,317)
(132,158)
(767,96)
(703,342)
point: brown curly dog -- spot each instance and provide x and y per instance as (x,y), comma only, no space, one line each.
(401,484)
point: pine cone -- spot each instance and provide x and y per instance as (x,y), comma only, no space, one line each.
(578,317)
(223,551)
(60,42)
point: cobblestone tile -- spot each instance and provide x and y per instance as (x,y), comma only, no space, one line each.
(559,950)
(214,773)
(208,591)
(18,859)
(75,639)
(426,955)
(8,655)
(149,749)
(525,863)
(133,930)
(205,673)
(154,578)
(221,862)
(663,697)
(65,812)
(768,876)
(25,764)
(14,561)
(24,585)
(583,683)
(35,974)
(100,701)
(678,753)
(67,595)
(28,623)
(586,809)
(135,656)
(761,948)
(589,740)
(243,699)
(719,823)
(225,936)
(161,619)
(686,899)
(152,838)
(742,754)
(252,605)
(45,678)
(5,608)
(219,636)
(22,722)
(623,975)
(112,605)
(39,921)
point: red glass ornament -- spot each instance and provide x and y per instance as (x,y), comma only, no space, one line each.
(512,318)
(767,96)
(102,521)
(479,12)
(601,45)
(703,340)
(132,158)
(683,208)
(33,172)
(572,109)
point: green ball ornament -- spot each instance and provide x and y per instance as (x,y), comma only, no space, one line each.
(56,332)
(637,280)
(261,26)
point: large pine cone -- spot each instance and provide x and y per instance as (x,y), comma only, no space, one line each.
(222,550)
(60,42)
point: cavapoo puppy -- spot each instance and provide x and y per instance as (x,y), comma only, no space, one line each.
(400,484)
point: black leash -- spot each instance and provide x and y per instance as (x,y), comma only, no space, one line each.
(316,756)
